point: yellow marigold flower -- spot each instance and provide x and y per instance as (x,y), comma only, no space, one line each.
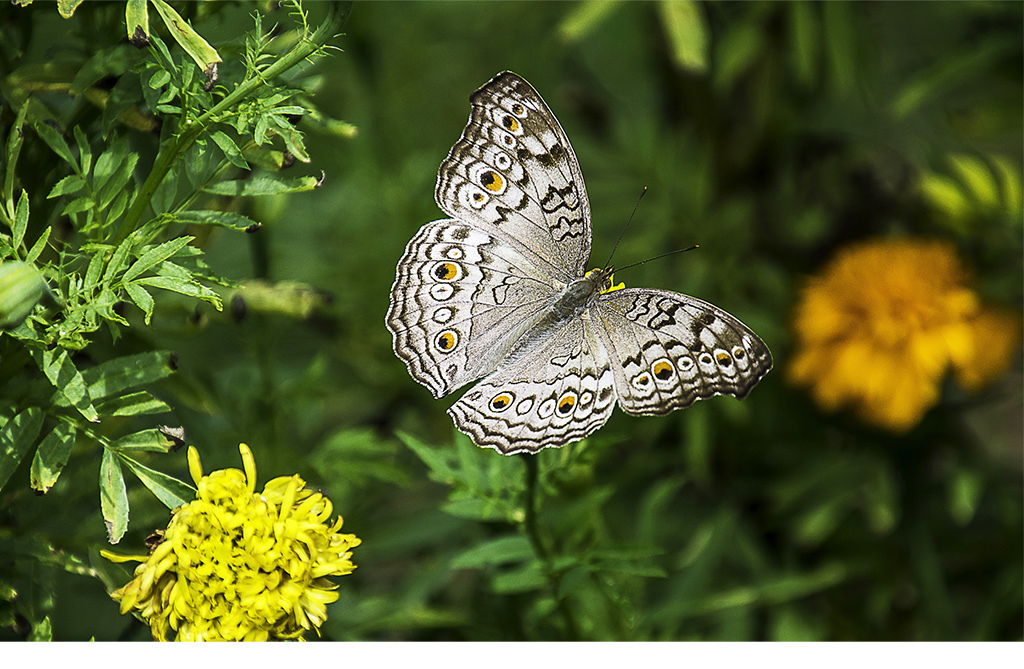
(237,565)
(884,321)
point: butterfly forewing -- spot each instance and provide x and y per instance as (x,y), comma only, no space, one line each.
(460,301)
(514,173)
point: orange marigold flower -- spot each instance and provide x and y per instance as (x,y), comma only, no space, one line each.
(240,565)
(884,321)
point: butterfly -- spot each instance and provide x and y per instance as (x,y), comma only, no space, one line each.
(499,291)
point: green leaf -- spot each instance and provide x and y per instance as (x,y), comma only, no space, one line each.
(71,388)
(109,63)
(67,7)
(185,287)
(21,288)
(16,437)
(264,184)
(84,151)
(114,376)
(583,18)
(51,456)
(145,440)
(69,184)
(169,490)
(840,44)
(116,182)
(224,219)
(687,33)
(15,140)
(55,141)
(113,496)
(155,256)
(502,550)
(194,45)
(37,248)
(142,299)
(736,52)
(805,38)
(475,508)
(436,460)
(20,219)
(230,149)
(136,19)
(117,261)
(134,404)
(524,579)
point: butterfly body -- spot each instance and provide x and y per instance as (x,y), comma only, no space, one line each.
(499,291)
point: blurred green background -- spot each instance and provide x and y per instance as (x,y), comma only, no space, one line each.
(771,134)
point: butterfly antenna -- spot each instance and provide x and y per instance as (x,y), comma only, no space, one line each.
(626,227)
(670,253)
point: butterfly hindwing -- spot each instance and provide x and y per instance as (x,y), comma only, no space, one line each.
(556,392)
(670,350)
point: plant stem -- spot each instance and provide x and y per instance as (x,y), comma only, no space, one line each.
(533,532)
(177,147)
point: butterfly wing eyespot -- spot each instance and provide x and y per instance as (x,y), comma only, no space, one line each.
(447,340)
(502,401)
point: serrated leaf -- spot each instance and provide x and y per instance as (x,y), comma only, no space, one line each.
(117,260)
(142,299)
(15,140)
(37,248)
(135,404)
(51,456)
(224,219)
(169,490)
(56,142)
(502,550)
(144,440)
(154,257)
(117,181)
(16,437)
(84,151)
(71,387)
(263,184)
(78,205)
(184,287)
(69,184)
(113,496)
(230,149)
(114,376)
(20,219)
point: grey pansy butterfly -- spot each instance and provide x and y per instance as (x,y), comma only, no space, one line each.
(499,291)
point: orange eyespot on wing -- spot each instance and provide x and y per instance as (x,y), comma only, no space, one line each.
(663,370)
(502,401)
(446,340)
(446,271)
(566,403)
(492,181)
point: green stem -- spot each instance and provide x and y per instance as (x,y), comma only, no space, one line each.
(180,144)
(533,532)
